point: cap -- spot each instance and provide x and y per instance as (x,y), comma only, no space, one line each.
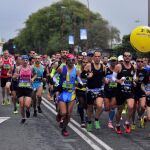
(90,53)
(24,57)
(84,54)
(120,58)
(70,56)
(113,58)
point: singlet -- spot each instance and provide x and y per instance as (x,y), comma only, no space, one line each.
(6,67)
(140,75)
(96,80)
(147,81)
(78,67)
(112,84)
(67,80)
(128,74)
(38,71)
(84,81)
(25,77)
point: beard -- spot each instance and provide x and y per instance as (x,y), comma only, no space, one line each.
(70,64)
(37,62)
(127,61)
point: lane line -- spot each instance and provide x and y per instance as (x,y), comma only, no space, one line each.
(107,147)
(84,137)
(2,119)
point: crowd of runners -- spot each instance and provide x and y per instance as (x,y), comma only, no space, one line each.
(95,84)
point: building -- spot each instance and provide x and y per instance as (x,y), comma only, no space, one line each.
(1,46)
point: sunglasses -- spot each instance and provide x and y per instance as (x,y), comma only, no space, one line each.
(113,60)
(25,59)
(138,61)
(127,55)
(71,60)
(84,62)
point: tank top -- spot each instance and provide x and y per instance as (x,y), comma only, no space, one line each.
(128,74)
(67,79)
(5,68)
(112,84)
(147,81)
(39,71)
(141,75)
(96,80)
(25,77)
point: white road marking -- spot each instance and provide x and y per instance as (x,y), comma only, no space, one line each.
(107,147)
(84,137)
(2,119)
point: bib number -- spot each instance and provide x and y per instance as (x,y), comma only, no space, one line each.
(112,85)
(24,84)
(67,85)
(6,66)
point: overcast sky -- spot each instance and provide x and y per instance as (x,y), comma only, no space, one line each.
(119,13)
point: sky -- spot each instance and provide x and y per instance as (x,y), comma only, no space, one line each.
(121,14)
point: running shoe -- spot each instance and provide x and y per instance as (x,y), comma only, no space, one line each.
(65,132)
(35,113)
(58,117)
(27,113)
(118,130)
(39,109)
(97,125)
(23,120)
(3,102)
(8,102)
(124,111)
(61,124)
(133,126)
(89,127)
(142,122)
(15,111)
(110,125)
(127,128)
(83,125)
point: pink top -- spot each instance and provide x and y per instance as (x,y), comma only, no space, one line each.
(25,74)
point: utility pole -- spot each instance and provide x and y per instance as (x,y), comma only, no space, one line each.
(149,13)
(88,26)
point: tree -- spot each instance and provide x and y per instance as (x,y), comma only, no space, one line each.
(47,30)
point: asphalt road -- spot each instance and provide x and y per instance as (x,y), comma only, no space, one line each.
(43,133)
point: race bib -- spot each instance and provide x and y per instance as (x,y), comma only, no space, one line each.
(67,85)
(112,85)
(147,88)
(127,87)
(6,66)
(24,84)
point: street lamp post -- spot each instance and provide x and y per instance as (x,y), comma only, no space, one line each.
(149,13)
(88,25)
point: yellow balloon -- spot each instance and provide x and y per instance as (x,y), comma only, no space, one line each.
(140,38)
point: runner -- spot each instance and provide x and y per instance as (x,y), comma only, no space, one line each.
(95,78)
(125,94)
(6,63)
(140,98)
(146,89)
(14,83)
(110,90)
(37,85)
(81,92)
(67,97)
(24,93)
